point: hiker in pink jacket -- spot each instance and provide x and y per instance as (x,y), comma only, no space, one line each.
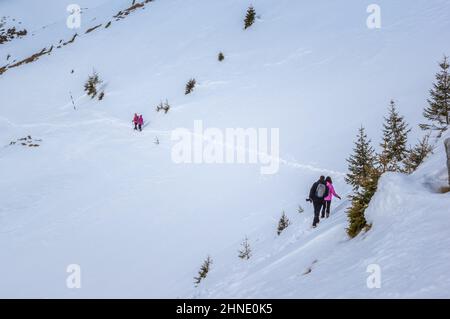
(140,122)
(327,202)
(135,121)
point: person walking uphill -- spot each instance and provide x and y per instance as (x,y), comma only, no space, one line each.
(317,194)
(140,122)
(327,200)
(135,121)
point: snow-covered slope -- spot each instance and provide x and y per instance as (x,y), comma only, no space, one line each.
(97,194)
(407,246)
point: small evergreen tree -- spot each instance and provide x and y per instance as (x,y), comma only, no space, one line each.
(283,223)
(438,110)
(417,155)
(395,136)
(360,201)
(204,269)
(190,86)
(163,107)
(166,107)
(245,252)
(160,107)
(361,162)
(249,17)
(91,84)
(221,57)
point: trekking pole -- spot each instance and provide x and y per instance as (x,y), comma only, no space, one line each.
(73,103)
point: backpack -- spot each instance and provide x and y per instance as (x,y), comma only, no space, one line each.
(320,190)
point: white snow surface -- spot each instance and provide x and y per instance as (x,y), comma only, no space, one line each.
(98,194)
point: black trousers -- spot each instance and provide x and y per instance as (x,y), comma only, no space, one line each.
(317,206)
(326,208)
(135,126)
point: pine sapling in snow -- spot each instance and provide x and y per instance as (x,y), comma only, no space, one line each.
(245,252)
(163,107)
(160,107)
(190,86)
(90,87)
(204,269)
(395,136)
(166,107)
(438,111)
(360,201)
(417,155)
(221,57)
(361,162)
(283,223)
(249,17)
(363,176)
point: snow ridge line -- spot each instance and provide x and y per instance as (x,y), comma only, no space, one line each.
(47,51)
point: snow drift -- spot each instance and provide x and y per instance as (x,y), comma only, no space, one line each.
(407,243)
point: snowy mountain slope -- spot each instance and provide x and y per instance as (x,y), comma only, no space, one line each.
(408,241)
(97,194)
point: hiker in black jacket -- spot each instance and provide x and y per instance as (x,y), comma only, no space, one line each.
(317,194)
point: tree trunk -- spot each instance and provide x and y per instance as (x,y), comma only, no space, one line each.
(447,148)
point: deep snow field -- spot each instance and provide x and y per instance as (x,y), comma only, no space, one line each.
(97,194)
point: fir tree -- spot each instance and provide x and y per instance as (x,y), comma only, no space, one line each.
(249,17)
(163,107)
(361,161)
(166,107)
(91,84)
(204,269)
(438,110)
(245,252)
(221,57)
(417,155)
(160,106)
(283,223)
(360,201)
(395,136)
(190,85)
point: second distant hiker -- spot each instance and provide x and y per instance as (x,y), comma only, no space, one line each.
(140,122)
(317,194)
